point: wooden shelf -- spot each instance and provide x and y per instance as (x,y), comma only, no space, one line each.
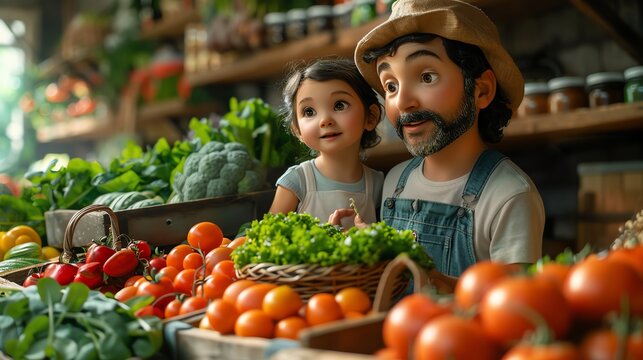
(173,108)
(82,128)
(170,27)
(537,128)
(274,61)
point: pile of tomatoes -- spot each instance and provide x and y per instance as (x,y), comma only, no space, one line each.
(592,309)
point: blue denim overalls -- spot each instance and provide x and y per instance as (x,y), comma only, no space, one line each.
(444,231)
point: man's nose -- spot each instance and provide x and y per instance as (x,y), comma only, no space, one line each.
(406,101)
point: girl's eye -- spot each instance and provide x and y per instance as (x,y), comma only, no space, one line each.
(390,87)
(308,112)
(428,78)
(341,105)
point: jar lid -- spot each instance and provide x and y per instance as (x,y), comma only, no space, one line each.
(604,77)
(565,82)
(320,11)
(536,88)
(633,72)
(296,14)
(274,18)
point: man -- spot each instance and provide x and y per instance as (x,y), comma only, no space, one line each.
(449,89)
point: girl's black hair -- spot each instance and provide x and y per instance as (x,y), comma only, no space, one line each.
(472,63)
(325,70)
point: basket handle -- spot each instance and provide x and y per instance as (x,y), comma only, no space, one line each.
(67,254)
(385,287)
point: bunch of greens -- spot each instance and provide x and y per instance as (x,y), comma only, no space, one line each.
(49,321)
(301,239)
(256,125)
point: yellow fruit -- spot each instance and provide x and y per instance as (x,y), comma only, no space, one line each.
(16,232)
(49,252)
(6,242)
(24,239)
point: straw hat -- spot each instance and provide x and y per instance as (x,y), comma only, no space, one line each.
(450,19)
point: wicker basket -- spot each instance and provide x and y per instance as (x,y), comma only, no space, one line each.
(308,280)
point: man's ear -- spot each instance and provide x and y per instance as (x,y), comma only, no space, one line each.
(485,89)
(373,116)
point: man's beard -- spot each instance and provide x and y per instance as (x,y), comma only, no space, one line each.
(445,132)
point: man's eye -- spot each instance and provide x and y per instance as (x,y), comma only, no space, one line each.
(428,78)
(390,87)
(340,105)
(308,112)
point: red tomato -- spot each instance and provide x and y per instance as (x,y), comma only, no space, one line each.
(158,263)
(32,279)
(63,273)
(406,318)
(252,297)
(596,287)
(177,254)
(453,337)
(121,263)
(518,305)
(99,253)
(215,256)
(214,286)
(632,257)
(184,280)
(90,274)
(126,293)
(142,249)
(205,236)
(149,310)
(554,351)
(132,280)
(603,344)
(193,261)
(225,267)
(476,280)
(555,272)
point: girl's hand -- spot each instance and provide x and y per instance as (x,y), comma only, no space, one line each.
(337,216)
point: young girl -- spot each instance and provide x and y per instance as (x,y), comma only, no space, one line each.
(333,110)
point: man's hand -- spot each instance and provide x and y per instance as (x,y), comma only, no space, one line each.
(337,216)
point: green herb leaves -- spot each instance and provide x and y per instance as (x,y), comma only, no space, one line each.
(301,239)
(50,321)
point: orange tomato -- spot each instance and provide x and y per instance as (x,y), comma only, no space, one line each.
(281,302)
(126,293)
(168,272)
(354,315)
(225,241)
(222,316)
(322,308)
(214,286)
(353,299)
(476,280)
(225,267)
(193,304)
(237,242)
(177,254)
(555,272)
(172,308)
(205,236)
(290,327)
(252,297)
(232,292)
(254,322)
(215,256)
(132,280)
(184,280)
(192,261)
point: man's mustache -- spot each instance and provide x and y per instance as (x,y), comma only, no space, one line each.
(417,116)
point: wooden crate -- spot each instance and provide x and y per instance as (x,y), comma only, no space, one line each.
(337,338)
(608,195)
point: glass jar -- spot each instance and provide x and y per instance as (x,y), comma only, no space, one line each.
(342,15)
(566,93)
(634,84)
(320,19)
(535,100)
(296,24)
(363,12)
(275,23)
(605,88)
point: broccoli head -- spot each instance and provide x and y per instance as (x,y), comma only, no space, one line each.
(220,187)
(252,181)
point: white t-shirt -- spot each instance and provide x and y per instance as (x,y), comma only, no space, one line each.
(509,216)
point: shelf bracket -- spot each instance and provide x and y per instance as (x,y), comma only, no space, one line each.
(608,20)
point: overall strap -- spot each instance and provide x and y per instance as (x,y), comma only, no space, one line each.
(401,183)
(482,170)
